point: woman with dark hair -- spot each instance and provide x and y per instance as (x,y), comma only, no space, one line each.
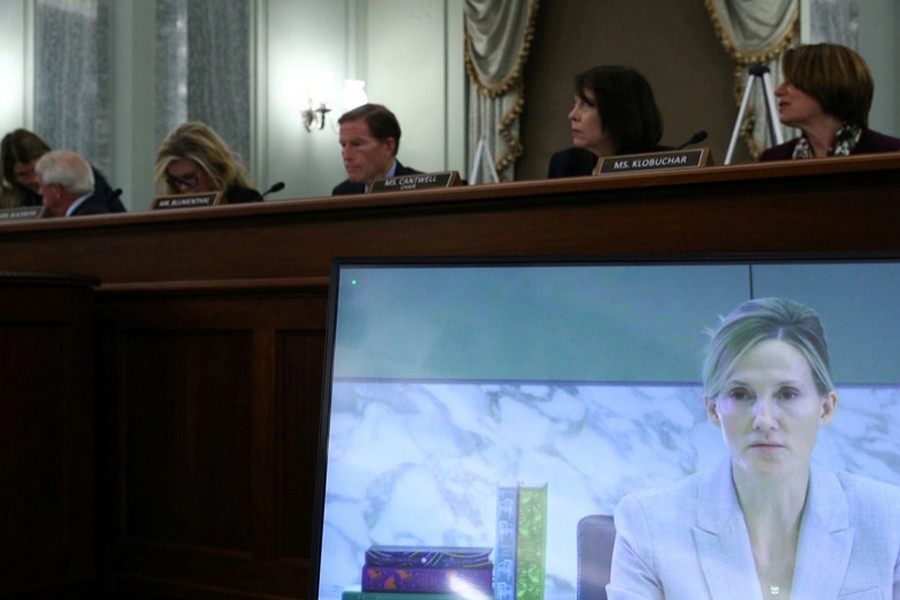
(193,158)
(826,94)
(614,113)
(19,152)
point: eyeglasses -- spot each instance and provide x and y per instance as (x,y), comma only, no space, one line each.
(186,181)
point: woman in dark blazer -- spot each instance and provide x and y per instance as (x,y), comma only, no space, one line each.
(826,94)
(614,113)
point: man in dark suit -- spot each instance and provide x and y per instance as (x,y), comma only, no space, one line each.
(67,185)
(370,137)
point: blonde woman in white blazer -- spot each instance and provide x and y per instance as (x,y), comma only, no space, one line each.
(767,523)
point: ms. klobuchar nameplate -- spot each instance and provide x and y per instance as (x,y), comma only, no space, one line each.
(23,212)
(655,161)
(187,200)
(419,181)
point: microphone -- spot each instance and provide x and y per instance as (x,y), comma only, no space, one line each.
(276,187)
(695,139)
(114,202)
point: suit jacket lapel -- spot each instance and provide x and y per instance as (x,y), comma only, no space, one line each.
(824,532)
(723,545)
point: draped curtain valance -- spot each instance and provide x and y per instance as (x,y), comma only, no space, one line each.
(498,39)
(755,32)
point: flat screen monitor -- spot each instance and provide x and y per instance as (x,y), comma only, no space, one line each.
(451,384)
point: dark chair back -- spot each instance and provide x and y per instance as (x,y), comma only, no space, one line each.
(596,535)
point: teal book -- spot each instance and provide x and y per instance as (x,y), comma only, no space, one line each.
(507,539)
(531,551)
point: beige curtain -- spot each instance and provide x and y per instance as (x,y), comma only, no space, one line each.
(756,32)
(498,38)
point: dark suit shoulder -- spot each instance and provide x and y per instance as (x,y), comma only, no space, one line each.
(404,170)
(871,141)
(241,195)
(571,162)
(783,151)
(347,187)
(103,190)
(94,205)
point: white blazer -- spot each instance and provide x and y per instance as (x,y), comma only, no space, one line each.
(690,542)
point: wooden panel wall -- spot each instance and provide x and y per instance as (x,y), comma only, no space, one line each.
(46,436)
(216,409)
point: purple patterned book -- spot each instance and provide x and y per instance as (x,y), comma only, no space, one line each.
(437,580)
(428,556)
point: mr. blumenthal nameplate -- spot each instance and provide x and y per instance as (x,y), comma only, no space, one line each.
(195,200)
(655,161)
(419,181)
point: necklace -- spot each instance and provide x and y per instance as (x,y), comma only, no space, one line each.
(774,590)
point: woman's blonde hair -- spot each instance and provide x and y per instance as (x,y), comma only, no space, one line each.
(197,142)
(756,321)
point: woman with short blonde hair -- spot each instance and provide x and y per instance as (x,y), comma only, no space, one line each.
(768,521)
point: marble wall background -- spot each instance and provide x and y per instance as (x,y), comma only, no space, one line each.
(420,463)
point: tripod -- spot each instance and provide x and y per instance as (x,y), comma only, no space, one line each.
(755,73)
(482,151)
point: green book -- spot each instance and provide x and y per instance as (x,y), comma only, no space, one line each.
(531,550)
(355,594)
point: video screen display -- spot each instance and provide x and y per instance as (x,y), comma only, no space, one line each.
(457,392)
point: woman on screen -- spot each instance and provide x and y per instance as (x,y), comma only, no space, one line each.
(194,159)
(826,94)
(768,522)
(614,113)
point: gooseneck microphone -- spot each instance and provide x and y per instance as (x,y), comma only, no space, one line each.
(276,187)
(695,139)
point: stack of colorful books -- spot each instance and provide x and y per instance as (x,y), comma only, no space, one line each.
(521,543)
(426,573)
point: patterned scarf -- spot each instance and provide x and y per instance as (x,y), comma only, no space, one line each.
(846,139)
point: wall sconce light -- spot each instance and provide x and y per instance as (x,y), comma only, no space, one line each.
(314,118)
(319,101)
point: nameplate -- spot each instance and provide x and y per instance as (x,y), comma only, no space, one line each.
(655,161)
(420,181)
(187,200)
(23,212)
